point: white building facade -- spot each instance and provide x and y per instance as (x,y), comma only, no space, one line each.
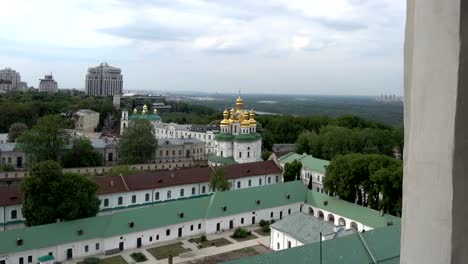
(150,225)
(151,188)
(313,169)
(238,140)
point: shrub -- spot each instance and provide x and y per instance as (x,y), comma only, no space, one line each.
(272,221)
(138,257)
(91,260)
(241,233)
(266,229)
(203,238)
(264,223)
(7,167)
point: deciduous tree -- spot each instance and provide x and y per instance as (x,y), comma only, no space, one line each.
(16,130)
(138,143)
(50,195)
(82,154)
(45,139)
(218,181)
(292,171)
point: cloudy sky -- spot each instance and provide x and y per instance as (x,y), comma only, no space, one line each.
(269,46)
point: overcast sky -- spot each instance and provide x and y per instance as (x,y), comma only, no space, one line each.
(275,46)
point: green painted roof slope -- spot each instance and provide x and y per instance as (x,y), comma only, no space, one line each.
(308,161)
(304,227)
(151,117)
(384,245)
(160,215)
(222,160)
(247,137)
(103,226)
(359,213)
(224,137)
(244,200)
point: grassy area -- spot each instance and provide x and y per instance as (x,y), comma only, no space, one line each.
(261,232)
(209,243)
(245,238)
(111,260)
(163,252)
(235,254)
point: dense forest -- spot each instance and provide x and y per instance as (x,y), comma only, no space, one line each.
(27,107)
(366,107)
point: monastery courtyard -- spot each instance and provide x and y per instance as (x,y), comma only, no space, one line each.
(218,247)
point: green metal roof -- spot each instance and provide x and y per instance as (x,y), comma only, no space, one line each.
(224,137)
(304,227)
(164,214)
(367,216)
(150,117)
(45,258)
(238,138)
(247,137)
(244,200)
(383,244)
(222,160)
(308,161)
(103,226)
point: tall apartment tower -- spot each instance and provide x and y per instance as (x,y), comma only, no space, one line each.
(10,80)
(104,80)
(48,84)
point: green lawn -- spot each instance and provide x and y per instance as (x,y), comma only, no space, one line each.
(251,236)
(209,243)
(163,252)
(113,260)
(260,232)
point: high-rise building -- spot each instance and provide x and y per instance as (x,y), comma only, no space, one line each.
(104,80)
(48,84)
(10,80)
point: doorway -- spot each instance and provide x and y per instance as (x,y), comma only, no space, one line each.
(121,246)
(139,242)
(253,220)
(231,224)
(218,226)
(180,232)
(69,253)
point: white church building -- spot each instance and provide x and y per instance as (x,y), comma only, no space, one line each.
(238,140)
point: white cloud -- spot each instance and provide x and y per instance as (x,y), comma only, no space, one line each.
(299,31)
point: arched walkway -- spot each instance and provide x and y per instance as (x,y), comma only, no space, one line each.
(341,222)
(331,218)
(311,211)
(320,215)
(354,226)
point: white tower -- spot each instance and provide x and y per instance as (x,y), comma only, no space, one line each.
(123,121)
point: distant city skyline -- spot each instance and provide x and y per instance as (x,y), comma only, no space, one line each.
(337,47)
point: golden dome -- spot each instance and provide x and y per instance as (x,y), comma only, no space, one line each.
(239,102)
(252,115)
(135,111)
(145,109)
(225,121)
(155,111)
(245,122)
